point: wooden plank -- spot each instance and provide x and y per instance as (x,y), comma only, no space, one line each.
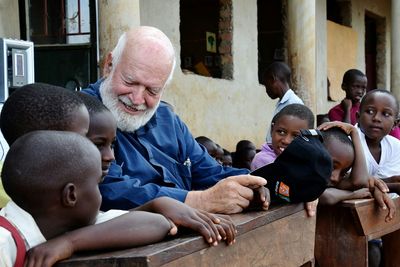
(287,242)
(337,242)
(179,247)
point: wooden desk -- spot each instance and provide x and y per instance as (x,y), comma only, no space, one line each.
(343,232)
(282,236)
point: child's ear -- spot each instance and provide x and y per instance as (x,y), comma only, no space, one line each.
(69,196)
(107,67)
(344,87)
(272,126)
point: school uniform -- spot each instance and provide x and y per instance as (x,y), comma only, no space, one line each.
(264,157)
(29,231)
(389,164)
(337,113)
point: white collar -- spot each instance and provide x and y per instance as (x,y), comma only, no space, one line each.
(25,224)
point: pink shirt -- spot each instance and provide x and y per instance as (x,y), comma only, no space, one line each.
(395,132)
(337,113)
(264,157)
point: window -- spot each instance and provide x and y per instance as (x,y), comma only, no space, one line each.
(206,38)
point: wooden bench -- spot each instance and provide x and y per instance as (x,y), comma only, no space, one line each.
(343,232)
(282,236)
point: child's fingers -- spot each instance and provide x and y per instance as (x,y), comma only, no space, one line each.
(229,228)
(209,224)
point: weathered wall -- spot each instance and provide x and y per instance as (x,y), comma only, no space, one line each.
(9,19)
(225,110)
(115,17)
(230,110)
(342,53)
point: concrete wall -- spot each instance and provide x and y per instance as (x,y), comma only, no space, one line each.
(9,19)
(224,110)
(115,17)
(230,110)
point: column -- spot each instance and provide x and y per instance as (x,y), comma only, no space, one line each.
(301,28)
(395,47)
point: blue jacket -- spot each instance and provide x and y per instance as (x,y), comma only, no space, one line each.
(159,159)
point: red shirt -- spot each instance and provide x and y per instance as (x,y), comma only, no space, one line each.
(337,113)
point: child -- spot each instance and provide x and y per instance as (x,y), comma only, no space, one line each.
(210,146)
(276,79)
(227,159)
(244,154)
(377,116)
(285,126)
(354,84)
(102,129)
(52,178)
(40,106)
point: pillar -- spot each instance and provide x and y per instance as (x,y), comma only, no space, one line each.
(302,48)
(395,47)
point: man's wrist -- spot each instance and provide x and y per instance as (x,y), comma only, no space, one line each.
(194,199)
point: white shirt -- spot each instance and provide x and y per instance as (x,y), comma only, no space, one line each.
(389,163)
(288,98)
(29,231)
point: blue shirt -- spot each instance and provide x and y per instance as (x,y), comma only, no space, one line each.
(159,159)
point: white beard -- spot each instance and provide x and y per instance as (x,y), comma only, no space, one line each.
(125,122)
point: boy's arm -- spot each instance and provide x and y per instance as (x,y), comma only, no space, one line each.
(359,173)
(213,227)
(393,179)
(134,228)
(346,105)
(332,195)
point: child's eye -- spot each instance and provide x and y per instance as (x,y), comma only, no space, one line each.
(369,111)
(387,114)
(281,132)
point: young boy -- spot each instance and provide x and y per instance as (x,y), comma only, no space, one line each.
(40,106)
(354,84)
(227,159)
(377,116)
(348,154)
(276,79)
(52,178)
(285,126)
(210,146)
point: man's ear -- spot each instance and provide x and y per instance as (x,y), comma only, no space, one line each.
(107,67)
(69,195)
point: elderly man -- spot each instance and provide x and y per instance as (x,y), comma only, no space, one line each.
(155,151)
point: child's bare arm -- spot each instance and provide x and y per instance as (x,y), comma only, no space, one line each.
(213,227)
(332,195)
(359,172)
(134,228)
(346,105)
(393,179)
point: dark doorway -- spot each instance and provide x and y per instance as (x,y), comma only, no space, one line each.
(271,33)
(370,51)
(65,38)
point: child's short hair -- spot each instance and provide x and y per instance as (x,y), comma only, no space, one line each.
(338,134)
(349,76)
(279,70)
(296,110)
(370,93)
(42,161)
(93,104)
(244,144)
(37,106)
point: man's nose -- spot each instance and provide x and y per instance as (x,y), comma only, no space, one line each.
(137,95)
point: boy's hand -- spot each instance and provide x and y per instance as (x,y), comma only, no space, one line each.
(213,228)
(361,193)
(379,183)
(385,202)
(348,128)
(48,253)
(346,104)
(311,207)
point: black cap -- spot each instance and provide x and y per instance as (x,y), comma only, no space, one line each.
(302,172)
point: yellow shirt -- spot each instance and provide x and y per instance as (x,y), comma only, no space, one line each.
(4,198)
